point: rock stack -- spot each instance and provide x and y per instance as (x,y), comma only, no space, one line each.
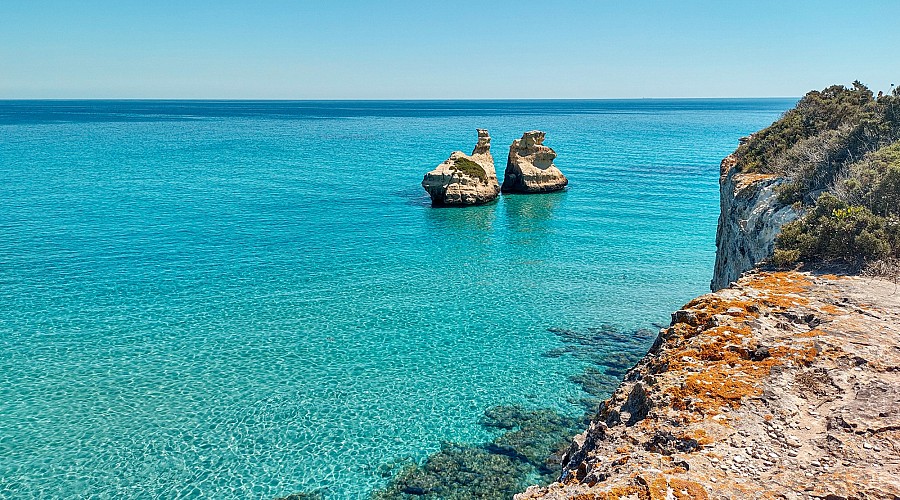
(465,179)
(530,168)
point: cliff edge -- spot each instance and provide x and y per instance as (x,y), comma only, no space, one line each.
(777,384)
(785,385)
(750,217)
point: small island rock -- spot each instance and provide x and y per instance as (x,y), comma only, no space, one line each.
(530,168)
(465,179)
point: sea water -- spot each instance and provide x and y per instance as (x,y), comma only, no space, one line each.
(250,299)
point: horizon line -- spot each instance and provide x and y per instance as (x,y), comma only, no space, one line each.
(242,99)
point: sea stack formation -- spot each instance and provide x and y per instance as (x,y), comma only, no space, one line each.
(464,179)
(530,168)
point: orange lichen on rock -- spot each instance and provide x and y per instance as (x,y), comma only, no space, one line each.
(687,490)
(699,435)
(708,306)
(781,289)
(731,378)
(743,181)
(831,309)
(780,282)
(663,487)
(655,487)
(617,493)
(725,371)
(810,334)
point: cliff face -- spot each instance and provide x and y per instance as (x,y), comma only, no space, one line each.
(785,385)
(749,220)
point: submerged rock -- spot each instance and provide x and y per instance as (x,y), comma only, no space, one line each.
(530,448)
(529,443)
(530,168)
(465,179)
(459,472)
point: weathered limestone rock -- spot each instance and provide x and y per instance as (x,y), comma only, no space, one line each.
(530,168)
(749,220)
(785,385)
(465,179)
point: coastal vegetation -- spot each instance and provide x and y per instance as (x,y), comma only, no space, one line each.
(471,168)
(839,153)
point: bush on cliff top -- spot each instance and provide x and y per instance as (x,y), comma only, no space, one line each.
(834,230)
(856,221)
(827,131)
(874,182)
(845,143)
(471,168)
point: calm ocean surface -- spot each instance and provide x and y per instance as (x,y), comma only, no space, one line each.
(250,299)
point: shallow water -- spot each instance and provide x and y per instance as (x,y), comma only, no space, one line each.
(248,299)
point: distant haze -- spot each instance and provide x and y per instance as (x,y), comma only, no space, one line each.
(405,49)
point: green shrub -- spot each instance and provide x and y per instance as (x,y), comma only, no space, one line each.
(788,193)
(817,112)
(785,258)
(844,142)
(833,230)
(471,168)
(823,135)
(874,181)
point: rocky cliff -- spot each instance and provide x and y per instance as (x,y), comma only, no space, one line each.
(785,385)
(530,168)
(465,179)
(749,219)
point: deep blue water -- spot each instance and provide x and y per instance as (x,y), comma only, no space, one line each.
(248,299)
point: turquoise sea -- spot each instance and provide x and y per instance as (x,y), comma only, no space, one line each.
(250,299)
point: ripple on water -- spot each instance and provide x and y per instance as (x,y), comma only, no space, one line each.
(208,299)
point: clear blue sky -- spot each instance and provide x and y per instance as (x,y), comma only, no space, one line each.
(417,49)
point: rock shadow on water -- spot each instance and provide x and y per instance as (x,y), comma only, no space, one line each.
(529,213)
(530,443)
(413,197)
(462,221)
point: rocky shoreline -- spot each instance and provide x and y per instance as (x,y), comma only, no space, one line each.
(785,385)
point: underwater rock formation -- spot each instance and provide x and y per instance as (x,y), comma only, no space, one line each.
(530,447)
(530,168)
(465,179)
(530,443)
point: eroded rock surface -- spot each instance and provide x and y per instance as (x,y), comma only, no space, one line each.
(465,179)
(786,385)
(750,218)
(530,168)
